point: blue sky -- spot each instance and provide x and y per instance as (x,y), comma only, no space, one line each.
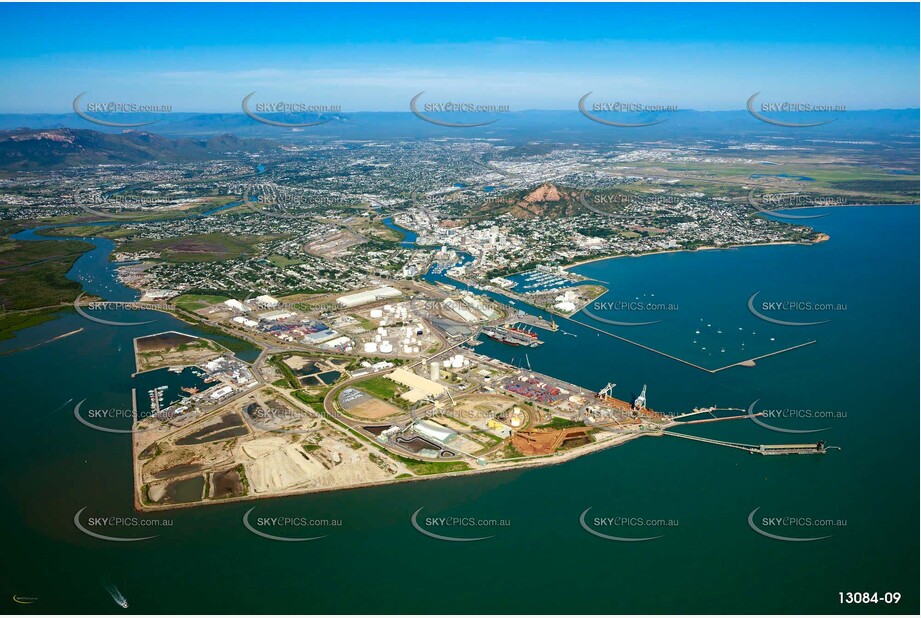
(375,57)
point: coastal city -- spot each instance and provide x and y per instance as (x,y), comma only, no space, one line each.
(368,293)
(523,212)
(550,295)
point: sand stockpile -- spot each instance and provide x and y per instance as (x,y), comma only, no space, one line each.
(351,472)
(263,446)
(280,468)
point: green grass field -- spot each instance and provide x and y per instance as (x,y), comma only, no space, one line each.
(561,423)
(380,387)
(85,231)
(214,247)
(424,468)
(281,261)
(194,302)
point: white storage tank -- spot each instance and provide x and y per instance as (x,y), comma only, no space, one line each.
(371,347)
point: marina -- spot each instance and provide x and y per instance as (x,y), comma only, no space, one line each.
(745,363)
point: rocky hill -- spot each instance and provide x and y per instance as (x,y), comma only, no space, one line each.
(31,149)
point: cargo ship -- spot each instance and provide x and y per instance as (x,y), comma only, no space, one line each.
(520,330)
(511,337)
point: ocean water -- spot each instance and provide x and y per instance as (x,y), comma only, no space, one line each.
(863,364)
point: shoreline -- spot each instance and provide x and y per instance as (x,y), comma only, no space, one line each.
(822,238)
(501,466)
(549,460)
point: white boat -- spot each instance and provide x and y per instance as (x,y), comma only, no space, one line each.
(116,595)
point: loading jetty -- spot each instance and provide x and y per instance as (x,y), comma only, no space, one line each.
(816,448)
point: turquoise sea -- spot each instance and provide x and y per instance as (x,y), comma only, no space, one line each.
(863,367)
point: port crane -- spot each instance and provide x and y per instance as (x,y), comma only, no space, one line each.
(640,402)
(605,393)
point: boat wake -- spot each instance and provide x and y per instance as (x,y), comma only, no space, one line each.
(116,595)
(62,406)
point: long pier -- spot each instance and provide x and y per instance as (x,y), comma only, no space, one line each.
(746,363)
(761,449)
(716,419)
(751,362)
(709,411)
(751,448)
(645,347)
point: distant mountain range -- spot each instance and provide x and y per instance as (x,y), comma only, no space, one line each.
(516,127)
(47,141)
(32,149)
